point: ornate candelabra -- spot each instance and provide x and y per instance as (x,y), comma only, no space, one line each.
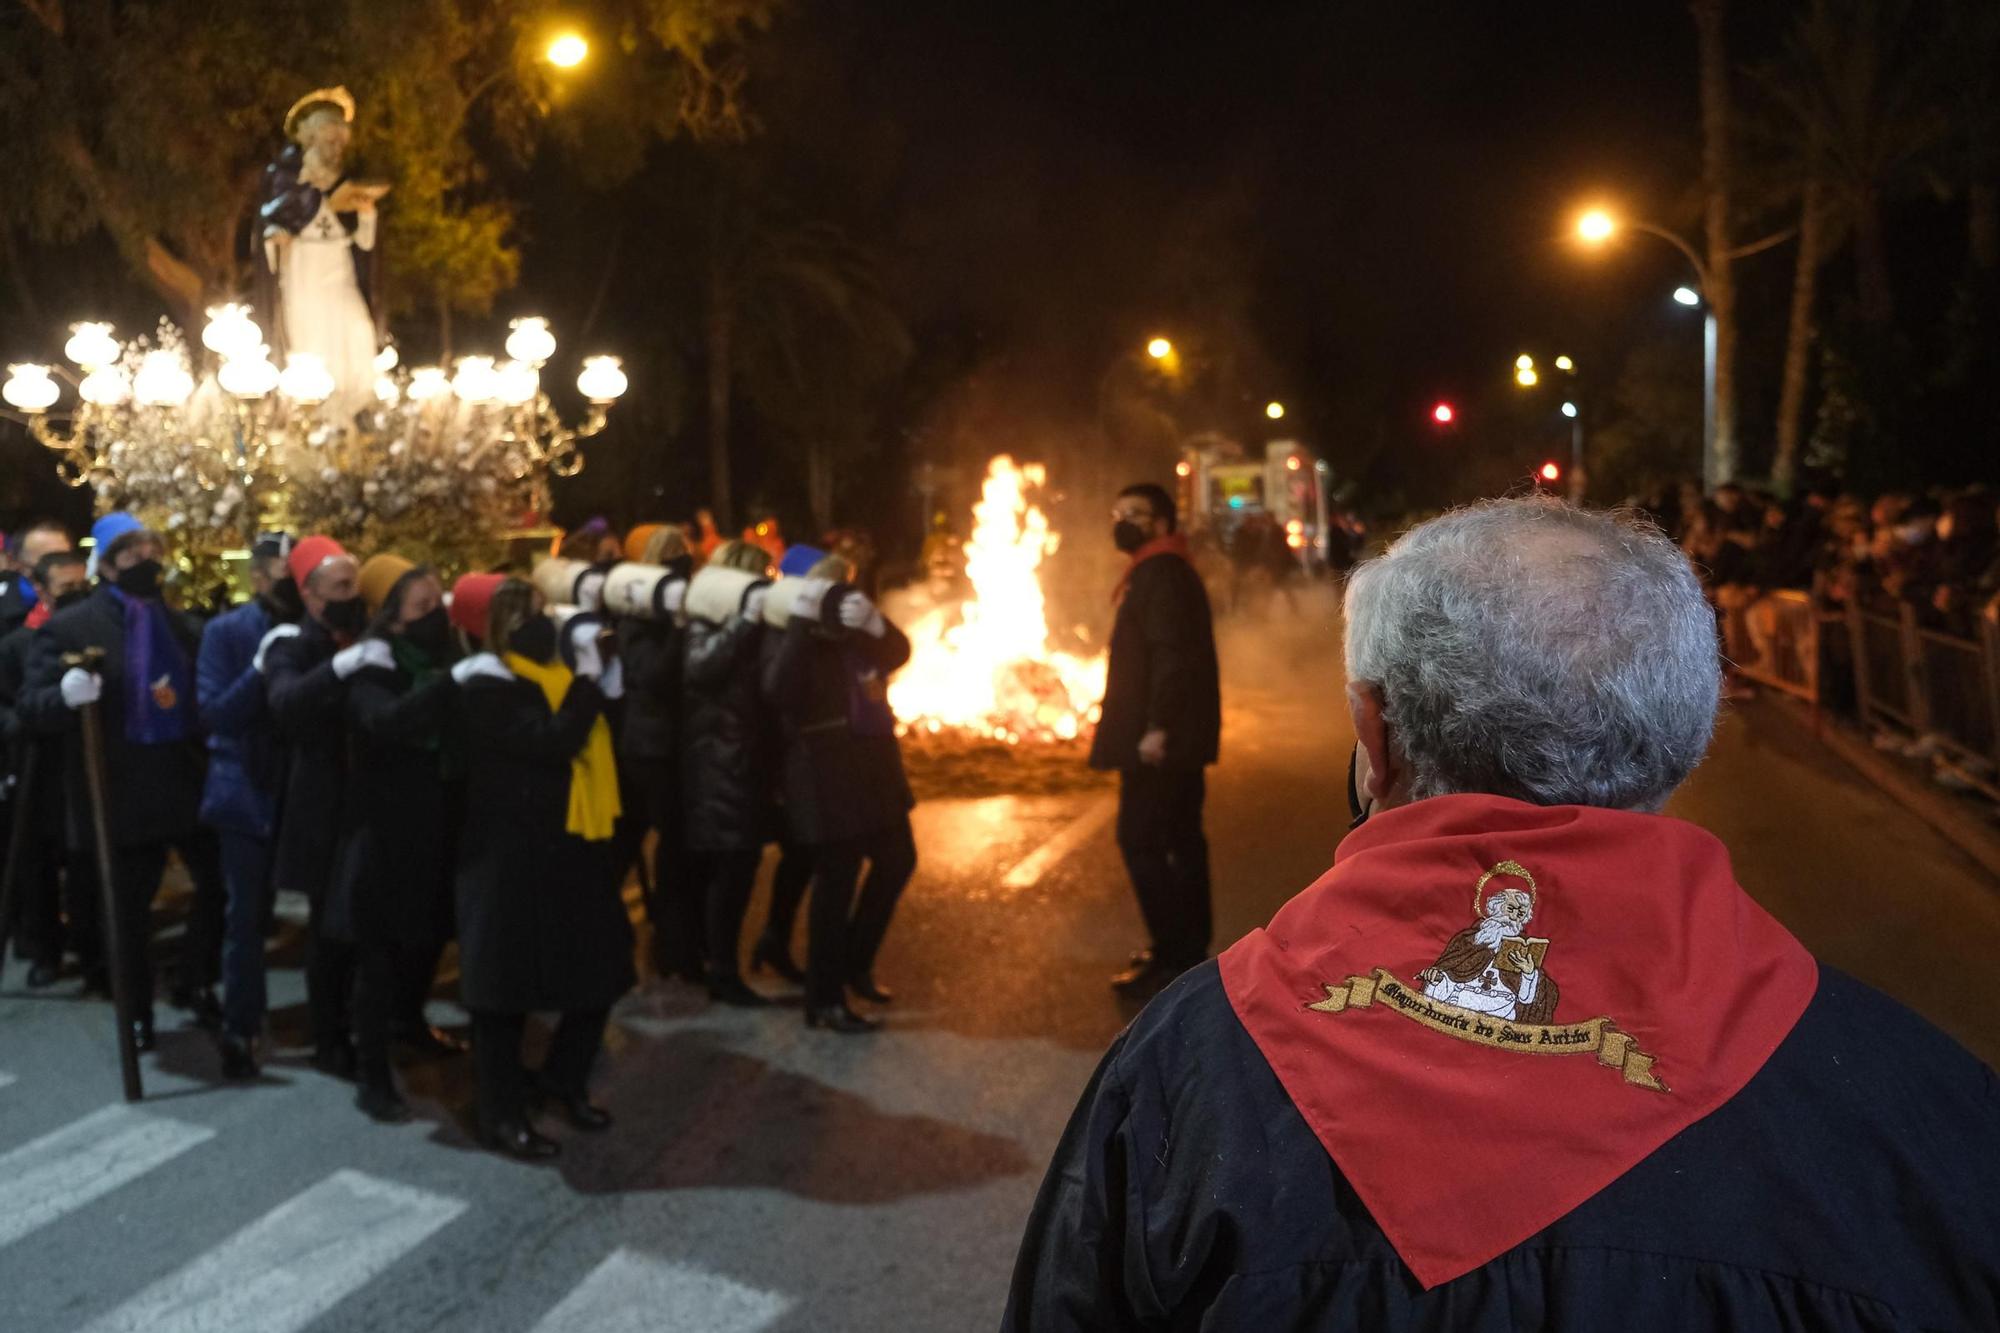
(437,465)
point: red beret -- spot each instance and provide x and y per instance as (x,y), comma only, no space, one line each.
(310,554)
(470,598)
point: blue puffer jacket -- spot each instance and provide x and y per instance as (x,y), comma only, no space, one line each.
(241,792)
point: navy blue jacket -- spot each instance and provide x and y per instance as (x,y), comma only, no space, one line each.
(241,794)
(1852,1184)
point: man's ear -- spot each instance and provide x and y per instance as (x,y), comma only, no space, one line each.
(1381,773)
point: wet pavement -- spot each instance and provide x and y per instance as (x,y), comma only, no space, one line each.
(764,1177)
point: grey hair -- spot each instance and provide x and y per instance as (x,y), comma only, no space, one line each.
(1531,649)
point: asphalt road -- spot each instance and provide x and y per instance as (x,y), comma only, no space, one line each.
(763,1177)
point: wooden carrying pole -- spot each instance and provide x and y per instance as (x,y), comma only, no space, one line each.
(115,944)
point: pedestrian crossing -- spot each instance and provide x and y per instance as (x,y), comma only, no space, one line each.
(291,1266)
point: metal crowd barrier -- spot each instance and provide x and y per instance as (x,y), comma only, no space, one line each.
(1775,641)
(1933,684)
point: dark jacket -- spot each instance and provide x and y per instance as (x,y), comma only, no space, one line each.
(241,794)
(727,755)
(651,651)
(151,792)
(34,762)
(308,704)
(1162,671)
(1851,1184)
(838,783)
(541,923)
(14,603)
(393,869)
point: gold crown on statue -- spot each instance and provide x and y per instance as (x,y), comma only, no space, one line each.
(334,97)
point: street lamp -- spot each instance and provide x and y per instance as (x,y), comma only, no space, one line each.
(1687,296)
(1275,411)
(1526,377)
(567,50)
(1159,349)
(1565,365)
(1596,226)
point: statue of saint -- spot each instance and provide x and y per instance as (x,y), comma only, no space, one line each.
(318,227)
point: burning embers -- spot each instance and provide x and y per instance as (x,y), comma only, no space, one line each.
(983,664)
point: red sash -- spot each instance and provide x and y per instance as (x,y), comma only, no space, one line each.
(1470,1103)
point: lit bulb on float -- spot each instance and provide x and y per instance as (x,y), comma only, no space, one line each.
(387,359)
(305,379)
(601,380)
(30,389)
(387,390)
(231,333)
(163,379)
(476,383)
(91,345)
(519,383)
(427,383)
(249,376)
(107,386)
(531,340)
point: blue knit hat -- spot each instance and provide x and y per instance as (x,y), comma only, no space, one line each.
(107,530)
(799,560)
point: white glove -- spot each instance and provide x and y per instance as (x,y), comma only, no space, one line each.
(80,687)
(480,664)
(612,681)
(675,596)
(753,602)
(811,593)
(271,636)
(857,612)
(367,653)
(583,631)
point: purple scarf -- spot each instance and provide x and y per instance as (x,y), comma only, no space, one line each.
(159,691)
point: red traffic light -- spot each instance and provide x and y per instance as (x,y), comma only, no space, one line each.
(1550,472)
(1442,414)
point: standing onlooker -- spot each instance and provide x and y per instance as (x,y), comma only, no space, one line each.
(17,587)
(727,754)
(34,764)
(152,759)
(541,925)
(1159,728)
(845,792)
(240,799)
(306,673)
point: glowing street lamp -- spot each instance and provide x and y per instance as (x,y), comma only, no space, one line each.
(1442,414)
(1551,472)
(567,50)
(1596,226)
(1569,410)
(1275,411)
(1687,296)
(1524,362)
(1565,365)
(1159,349)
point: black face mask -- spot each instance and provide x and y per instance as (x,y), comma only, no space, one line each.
(1127,537)
(140,580)
(431,632)
(282,601)
(1354,806)
(349,617)
(535,640)
(71,598)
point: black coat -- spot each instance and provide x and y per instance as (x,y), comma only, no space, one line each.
(151,792)
(14,604)
(1851,1184)
(308,706)
(837,784)
(393,870)
(728,751)
(651,651)
(45,786)
(541,923)
(1162,671)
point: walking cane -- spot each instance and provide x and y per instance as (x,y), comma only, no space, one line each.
(114,942)
(10,879)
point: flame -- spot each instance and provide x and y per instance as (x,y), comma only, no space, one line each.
(984,665)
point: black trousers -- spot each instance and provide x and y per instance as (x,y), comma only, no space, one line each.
(503,1075)
(378,973)
(38,923)
(844,933)
(1166,854)
(731,877)
(788,893)
(677,905)
(136,869)
(330,967)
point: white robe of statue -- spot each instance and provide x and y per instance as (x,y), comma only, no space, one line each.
(324,312)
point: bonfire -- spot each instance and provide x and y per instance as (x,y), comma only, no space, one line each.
(983,665)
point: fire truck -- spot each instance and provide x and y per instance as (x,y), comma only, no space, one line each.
(1226,486)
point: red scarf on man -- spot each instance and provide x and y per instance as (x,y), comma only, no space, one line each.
(1174,543)
(1468,1105)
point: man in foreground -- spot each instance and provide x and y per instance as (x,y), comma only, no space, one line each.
(1382,1112)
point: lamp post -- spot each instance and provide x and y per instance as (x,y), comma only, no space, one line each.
(1526,375)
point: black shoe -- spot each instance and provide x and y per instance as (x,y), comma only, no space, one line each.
(863,984)
(520,1141)
(579,1111)
(1150,979)
(736,991)
(777,956)
(41,976)
(239,1062)
(841,1019)
(337,1059)
(385,1106)
(432,1043)
(200,1001)
(142,1034)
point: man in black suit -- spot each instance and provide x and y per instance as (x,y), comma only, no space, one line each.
(1159,727)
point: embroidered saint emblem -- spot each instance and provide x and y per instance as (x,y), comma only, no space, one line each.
(165,698)
(1489,986)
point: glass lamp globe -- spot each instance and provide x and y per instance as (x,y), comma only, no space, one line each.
(428,382)
(305,379)
(91,345)
(519,383)
(251,376)
(601,380)
(163,379)
(476,381)
(531,340)
(30,389)
(231,333)
(387,359)
(107,386)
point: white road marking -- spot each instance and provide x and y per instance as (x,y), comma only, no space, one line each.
(635,1293)
(1051,853)
(291,1265)
(62,1171)
(5,1078)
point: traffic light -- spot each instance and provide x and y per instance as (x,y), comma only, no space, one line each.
(1443,414)
(1551,472)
